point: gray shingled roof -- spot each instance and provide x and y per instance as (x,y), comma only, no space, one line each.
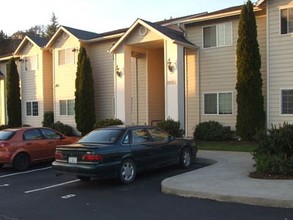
(40,41)
(81,34)
(171,33)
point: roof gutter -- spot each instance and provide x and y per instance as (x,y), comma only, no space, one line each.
(102,38)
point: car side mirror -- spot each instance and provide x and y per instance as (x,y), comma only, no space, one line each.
(170,138)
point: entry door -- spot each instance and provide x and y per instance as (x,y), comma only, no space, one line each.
(139,108)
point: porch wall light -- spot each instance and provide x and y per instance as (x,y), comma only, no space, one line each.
(170,65)
(118,71)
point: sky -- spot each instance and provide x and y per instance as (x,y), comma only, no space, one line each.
(100,16)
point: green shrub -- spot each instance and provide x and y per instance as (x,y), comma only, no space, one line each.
(172,127)
(274,155)
(63,128)
(107,122)
(48,119)
(212,131)
(2,127)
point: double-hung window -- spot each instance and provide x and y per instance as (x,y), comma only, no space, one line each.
(287,102)
(66,107)
(286,20)
(32,108)
(66,56)
(218,103)
(217,35)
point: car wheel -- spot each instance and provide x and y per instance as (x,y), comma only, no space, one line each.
(1,165)
(127,171)
(21,162)
(185,158)
(84,178)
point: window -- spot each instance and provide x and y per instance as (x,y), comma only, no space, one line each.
(158,135)
(30,63)
(217,35)
(66,56)
(49,134)
(287,101)
(32,108)
(140,136)
(286,21)
(66,107)
(33,134)
(218,103)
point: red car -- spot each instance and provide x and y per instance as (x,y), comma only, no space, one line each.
(22,146)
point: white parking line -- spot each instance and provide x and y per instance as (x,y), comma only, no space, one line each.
(25,172)
(49,187)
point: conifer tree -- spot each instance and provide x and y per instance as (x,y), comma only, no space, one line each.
(52,28)
(13,95)
(250,101)
(84,94)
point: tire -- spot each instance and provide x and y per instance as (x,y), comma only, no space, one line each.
(84,178)
(21,162)
(127,171)
(185,158)
(1,165)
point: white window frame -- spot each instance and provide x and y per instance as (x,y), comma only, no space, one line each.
(32,113)
(226,44)
(30,63)
(281,101)
(218,103)
(280,21)
(69,56)
(66,107)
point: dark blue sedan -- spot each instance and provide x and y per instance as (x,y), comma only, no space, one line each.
(122,152)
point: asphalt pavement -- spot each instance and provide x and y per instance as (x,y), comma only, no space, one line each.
(226,179)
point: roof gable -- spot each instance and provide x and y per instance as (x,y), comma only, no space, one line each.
(164,32)
(32,39)
(77,33)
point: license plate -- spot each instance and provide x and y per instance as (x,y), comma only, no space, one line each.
(72,159)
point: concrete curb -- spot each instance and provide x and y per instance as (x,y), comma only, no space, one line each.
(226,180)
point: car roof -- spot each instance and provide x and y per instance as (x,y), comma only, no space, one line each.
(22,128)
(127,126)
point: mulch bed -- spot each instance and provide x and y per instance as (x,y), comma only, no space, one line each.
(269,176)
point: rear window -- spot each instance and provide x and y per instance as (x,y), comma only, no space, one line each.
(101,136)
(6,135)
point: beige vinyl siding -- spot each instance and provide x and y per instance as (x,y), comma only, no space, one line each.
(156,94)
(192,93)
(64,78)
(280,61)
(217,66)
(103,74)
(32,87)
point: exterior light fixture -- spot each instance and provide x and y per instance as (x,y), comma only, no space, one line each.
(118,71)
(170,65)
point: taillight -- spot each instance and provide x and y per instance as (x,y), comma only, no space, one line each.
(4,144)
(92,157)
(58,156)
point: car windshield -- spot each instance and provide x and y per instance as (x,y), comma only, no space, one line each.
(6,135)
(101,136)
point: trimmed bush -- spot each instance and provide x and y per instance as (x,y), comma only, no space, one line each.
(107,122)
(212,131)
(274,156)
(172,127)
(48,119)
(2,127)
(63,128)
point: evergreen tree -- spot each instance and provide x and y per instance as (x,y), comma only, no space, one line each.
(52,28)
(84,94)
(13,95)
(250,115)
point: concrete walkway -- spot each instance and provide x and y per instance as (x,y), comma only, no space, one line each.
(227,180)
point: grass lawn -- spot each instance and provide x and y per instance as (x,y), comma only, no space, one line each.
(235,145)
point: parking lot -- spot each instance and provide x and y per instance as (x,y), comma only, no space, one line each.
(39,194)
